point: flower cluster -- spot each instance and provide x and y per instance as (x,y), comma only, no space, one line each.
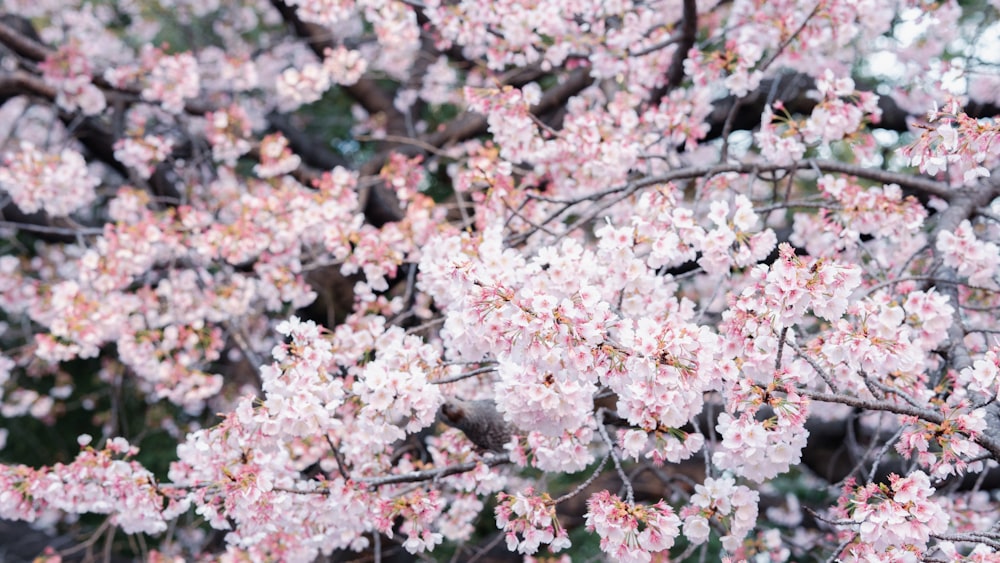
(509,119)
(171,79)
(418,510)
(166,79)
(143,154)
(631,532)
(533,518)
(961,147)
(982,376)
(99,481)
(69,70)
(762,450)
(970,256)
(878,211)
(58,184)
(733,241)
(276,158)
(833,118)
(300,86)
(672,445)
(945,448)
(889,517)
(735,64)
(227,131)
(732,506)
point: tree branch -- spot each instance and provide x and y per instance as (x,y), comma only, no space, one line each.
(433,474)
(689,30)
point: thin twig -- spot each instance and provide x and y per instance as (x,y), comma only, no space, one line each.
(432,474)
(579,488)
(629,492)
(466,375)
(47,229)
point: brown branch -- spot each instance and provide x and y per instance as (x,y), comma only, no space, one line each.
(22,44)
(689,30)
(875,405)
(473,124)
(21,83)
(66,234)
(434,474)
(793,90)
(918,183)
(365,91)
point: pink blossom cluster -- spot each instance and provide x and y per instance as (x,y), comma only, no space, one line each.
(962,148)
(345,66)
(398,33)
(301,86)
(506,111)
(780,297)
(324,12)
(672,445)
(632,532)
(227,71)
(732,506)
(96,481)
(298,86)
(528,521)
(733,241)
(304,406)
(839,115)
(971,256)
(69,70)
(96,308)
(810,37)
(143,154)
(945,448)
(779,141)
(735,64)
(236,479)
(79,321)
(834,118)
(890,518)
(395,391)
(276,158)
(171,79)
(57,183)
(760,450)
(167,80)
(521,30)
(599,142)
(300,398)
(680,117)
(878,343)
(418,510)
(379,252)
(879,211)
(227,131)
(981,378)
(895,222)
(567,453)
(169,361)
(439,87)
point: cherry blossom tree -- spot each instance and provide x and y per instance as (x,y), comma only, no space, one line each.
(647,280)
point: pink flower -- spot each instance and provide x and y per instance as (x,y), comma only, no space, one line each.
(58,184)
